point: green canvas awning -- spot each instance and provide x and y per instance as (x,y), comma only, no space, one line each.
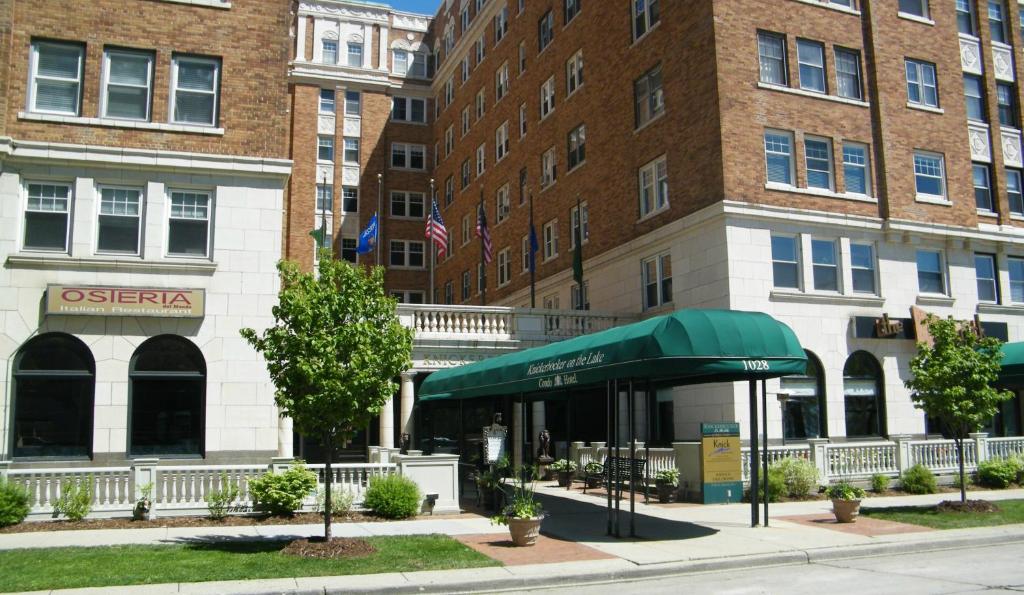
(1013,363)
(685,347)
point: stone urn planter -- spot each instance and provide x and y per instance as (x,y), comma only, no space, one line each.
(564,478)
(846,511)
(665,491)
(524,532)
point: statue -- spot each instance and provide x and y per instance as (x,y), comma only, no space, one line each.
(544,447)
(403,443)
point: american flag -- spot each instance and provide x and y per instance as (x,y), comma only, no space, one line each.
(483,232)
(436,230)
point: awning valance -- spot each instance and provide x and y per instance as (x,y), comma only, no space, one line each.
(685,347)
(1013,363)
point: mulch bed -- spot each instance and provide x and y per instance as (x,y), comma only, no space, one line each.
(306,518)
(316,547)
(969,506)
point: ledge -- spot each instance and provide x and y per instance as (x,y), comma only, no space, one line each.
(812,94)
(915,18)
(207,3)
(1015,310)
(774,186)
(23,261)
(129,124)
(933,200)
(926,108)
(935,300)
(835,299)
(834,7)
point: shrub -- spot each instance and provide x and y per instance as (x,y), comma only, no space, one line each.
(218,501)
(669,476)
(393,497)
(282,493)
(563,465)
(879,483)
(14,505)
(342,499)
(776,486)
(843,490)
(968,478)
(918,480)
(799,475)
(997,473)
(75,500)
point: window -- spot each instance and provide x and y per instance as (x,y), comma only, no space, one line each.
(584,231)
(481,104)
(407,204)
(545,30)
(47,217)
(349,199)
(803,412)
(503,206)
(327,101)
(574,73)
(464,70)
(348,249)
(119,220)
(168,394)
(921,85)
(965,17)
(771,50)
(550,235)
(825,265)
(465,174)
(324,198)
(522,57)
(500,24)
(810,56)
(481,49)
(501,82)
(409,109)
(653,179)
(501,141)
(465,121)
(996,21)
(929,175)
(481,160)
(917,8)
(645,16)
(572,8)
(985,273)
(522,120)
(855,169)
(56,84)
(1013,191)
(1015,267)
(325,148)
(504,267)
(521,7)
(405,156)
(329,53)
(525,245)
(466,230)
(355,55)
(449,191)
(413,64)
(548,168)
(657,281)
(449,92)
(522,186)
(577,146)
(1006,99)
(778,154)
(352,150)
(862,263)
(982,187)
(974,95)
(649,101)
(128,78)
(785,262)
(818,158)
(547,97)
(930,278)
(449,292)
(188,230)
(863,398)
(406,253)
(194,81)
(848,74)
(481,277)
(467,283)
(464,18)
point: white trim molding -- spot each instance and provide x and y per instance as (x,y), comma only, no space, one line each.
(115,123)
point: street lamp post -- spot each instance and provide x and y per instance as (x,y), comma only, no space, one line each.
(783,398)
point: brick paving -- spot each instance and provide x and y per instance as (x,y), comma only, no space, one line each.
(547,550)
(866,526)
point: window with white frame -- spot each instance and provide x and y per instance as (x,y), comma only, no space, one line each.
(1006,104)
(449,91)
(464,70)
(577,141)
(480,49)
(572,8)
(653,179)
(522,120)
(550,237)
(522,57)
(323,241)
(922,88)
(504,267)
(525,246)
(195,84)
(986,278)
(47,216)
(500,24)
(406,253)
(580,226)
(848,83)
(521,6)
(929,175)
(353,103)
(965,22)
(982,187)
(481,159)
(646,15)
(856,168)
(329,51)
(449,141)
(785,262)
(411,64)
(467,285)
(325,148)
(449,292)
(350,199)
(355,54)
(501,141)
(437,154)
(862,265)
(327,101)
(349,249)
(1014,193)
(547,97)
(465,174)
(324,198)
(810,57)
(974,96)
(551,303)
(649,100)
(917,8)
(351,150)
(409,109)
(580,296)
(449,191)
(56,85)
(407,156)
(931,277)
(818,159)
(545,30)
(465,121)
(501,82)
(1015,268)
(407,204)
(997,21)
(481,104)
(548,168)
(503,204)
(778,156)
(464,18)
(119,223)
(466,227)
(825,264)
(771,51)
(188,227)
(574,73)
(657,281)
(128,84)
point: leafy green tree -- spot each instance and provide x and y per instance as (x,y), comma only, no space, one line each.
(333,353)
(952,381)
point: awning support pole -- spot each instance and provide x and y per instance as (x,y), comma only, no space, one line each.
(764,426)
(523,436)
(608,445)
(632,455)
(618,473)
(754,455)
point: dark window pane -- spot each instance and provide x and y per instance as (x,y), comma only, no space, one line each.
(46,231)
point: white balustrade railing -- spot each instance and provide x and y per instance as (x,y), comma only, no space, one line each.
(187,486)
(1005,447)
(354,477)
(436,319)
(442,321)
(861,459)
(109,486)
(774,454)
(941,456)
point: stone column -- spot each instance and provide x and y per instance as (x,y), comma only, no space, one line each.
(517,435)
(285,443)
(538,425)
(387,424)
(300,43)
(819,456)
(980,440)
(407,399)
(903,453)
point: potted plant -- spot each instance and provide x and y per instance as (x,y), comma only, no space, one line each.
(845,501)
(143,510)
(487,482)
(564,469)
(593,471)
(523,515)
(666,481)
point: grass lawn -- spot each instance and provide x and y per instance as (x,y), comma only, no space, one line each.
(65,568)
(1010,511)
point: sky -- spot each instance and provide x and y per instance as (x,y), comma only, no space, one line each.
(420,6)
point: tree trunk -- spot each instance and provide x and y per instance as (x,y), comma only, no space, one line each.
(960,461)
(328,477)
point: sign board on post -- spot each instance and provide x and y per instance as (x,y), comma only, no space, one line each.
(721,473)
(494,443)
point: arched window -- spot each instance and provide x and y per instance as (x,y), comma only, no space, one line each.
(168,398)
(54,383)
(804,409)
(863,395)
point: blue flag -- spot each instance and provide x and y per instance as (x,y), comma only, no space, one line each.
(368,239)
(534,246)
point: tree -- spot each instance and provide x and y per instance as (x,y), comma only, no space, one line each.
(333,353)
(952,381)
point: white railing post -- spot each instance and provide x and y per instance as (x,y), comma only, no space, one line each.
(143,472)
(574,451)
(819,456)
(904,456)
(980,446)
(4,467)
(281,464)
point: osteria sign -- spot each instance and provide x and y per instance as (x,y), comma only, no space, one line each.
(156,302)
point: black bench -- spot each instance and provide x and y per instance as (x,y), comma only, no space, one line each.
(623,470)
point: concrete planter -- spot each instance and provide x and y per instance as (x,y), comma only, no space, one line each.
(524,532)
(846,511)
(665,491)
(564,478)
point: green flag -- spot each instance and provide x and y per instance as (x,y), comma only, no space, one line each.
(318,235)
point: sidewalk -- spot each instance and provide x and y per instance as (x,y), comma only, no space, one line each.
(672,539)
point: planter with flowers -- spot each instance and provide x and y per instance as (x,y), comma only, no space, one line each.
(845,501)
(666,480)
(564,470)
(523,515)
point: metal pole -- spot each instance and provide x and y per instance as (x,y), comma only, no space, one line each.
(323,218)
(533,259)
(754,455)
(608,469)
(482,218)
(618,470)
(764,427)
(632,456)
(380,216)
(433,247)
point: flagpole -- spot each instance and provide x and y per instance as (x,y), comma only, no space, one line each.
(577,260)
(533,257)
(481,218)
(380,219)
(323,218)
(430,242)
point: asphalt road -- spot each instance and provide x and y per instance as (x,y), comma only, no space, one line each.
(989,570)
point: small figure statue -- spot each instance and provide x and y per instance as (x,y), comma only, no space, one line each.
(403,443)
(544,447)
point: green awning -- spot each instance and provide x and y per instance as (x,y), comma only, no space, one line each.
(685,347)
(1013,363)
